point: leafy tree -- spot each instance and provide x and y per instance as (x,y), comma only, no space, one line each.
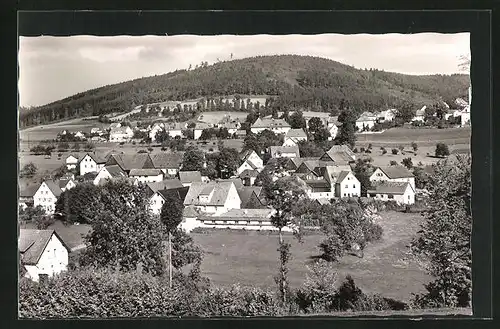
(29,170)
(251,117)
(76,147)
(193,160)
(421,177)
(309,149)
(405,113)
(63,147)
(442,150)
(414,146)
(162,136)
(30,214)
(444,241)
(407,163)
(363,170)
(124,233)
(188,133)
(395,151)
(346,135)
(228,162)
(315,124)
(297,120)
(285,193)
(393,163)
(171,217)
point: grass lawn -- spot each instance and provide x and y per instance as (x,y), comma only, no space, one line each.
(73,235)
(251,259)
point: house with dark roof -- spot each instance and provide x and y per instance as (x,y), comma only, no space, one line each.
(329,181)
(165,184)
(46,196)
(160,196)
(91,162)
(189,177)
(42,253)
(294,136)
(109,173)
(339,155)
(250,161)
(128,162)
(401,192)
(146,175)
(393,174)
(26,195)
(169,163)
(293,164)
(251,197)
(277,126)
(248,176)
(213,197)
(284,151)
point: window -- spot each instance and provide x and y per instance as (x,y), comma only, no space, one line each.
(353,186)
(408,197)
(345,194)
(346,186)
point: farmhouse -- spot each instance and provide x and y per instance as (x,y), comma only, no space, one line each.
(109,173)
(366,121)
(71,162)
(121,134)
(158,199)
(91,162)
(387,115)
(250,161)
(168,163)
(338,155)
(393,174)
(213,197)
(146,175)
(277,126)
(189,177)
(128,162)
(419,115)
(294,136)
(284,152)
(43,253)
(46,196)
(329,181)
(401,192)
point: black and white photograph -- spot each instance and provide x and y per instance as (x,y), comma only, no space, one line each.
(235,175)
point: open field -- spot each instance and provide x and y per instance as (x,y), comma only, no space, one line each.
(422,136)
(216,116)
(44,132)
(251,258)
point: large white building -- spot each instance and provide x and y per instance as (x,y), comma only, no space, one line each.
(46,196)
(277,126)
(91,162)
(393,183)
(43,252)
(215,197)
(146,175)
(121,134)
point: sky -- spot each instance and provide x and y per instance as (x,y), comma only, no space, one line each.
(52,68)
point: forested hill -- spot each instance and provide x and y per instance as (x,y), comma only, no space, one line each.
(299,81)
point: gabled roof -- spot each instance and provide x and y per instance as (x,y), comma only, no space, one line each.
(131,161)
(165,185)
(63,182)
(115,171)
(53,187)
(180,192)
(145,172)
(236,181)
(385,187)
(317,183)
(249,173)
(29,191)
(246,154)
(294,133)
(189,176)
(339,154)
(97,157)
(72,156)
(394,172)
(245,193)
(335,175)
(218,197)
(270,123)
(167,160)
(284,149)
(421,112)
(32,243)
(296,162)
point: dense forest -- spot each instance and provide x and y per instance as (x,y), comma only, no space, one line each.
(305,82)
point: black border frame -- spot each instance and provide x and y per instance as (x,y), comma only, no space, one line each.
(438,19)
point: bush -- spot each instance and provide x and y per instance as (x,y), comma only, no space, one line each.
(355,150)
(373,232)
(142,151)
(442,150)
(395,151)
(393,163)
(42,222)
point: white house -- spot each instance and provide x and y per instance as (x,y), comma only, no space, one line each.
(46,196)
(277,126)
(121,134)
(175,129)
(80,135)
(157,127)
(43,252)
(393,174)
(71,162)
(91,162)
(251,161)
(366,121)
(294,136)
(109,173)
(419,115)
(401,192)
(387,115)
(333,130)
(214,197)
(465,116)
(329,181)
(146,175)
(284,152)
(159,197)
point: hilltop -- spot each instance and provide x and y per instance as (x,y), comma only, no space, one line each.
(297,81)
